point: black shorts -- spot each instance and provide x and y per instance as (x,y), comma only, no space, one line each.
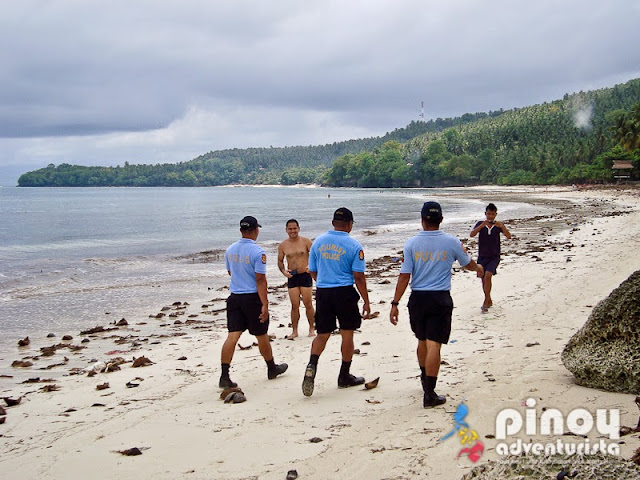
(243,312)
(340,303)
(300,280)
(430,315)
(490,264)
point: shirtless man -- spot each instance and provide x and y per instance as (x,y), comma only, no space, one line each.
(296,249)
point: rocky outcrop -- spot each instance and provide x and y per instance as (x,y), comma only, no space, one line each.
(605,352)
(587,467)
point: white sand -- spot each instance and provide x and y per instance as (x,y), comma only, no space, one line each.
(184,431)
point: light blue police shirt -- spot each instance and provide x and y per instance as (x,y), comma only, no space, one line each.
(428,257)
(335,256)
(244,259)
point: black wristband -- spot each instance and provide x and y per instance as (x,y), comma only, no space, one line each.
(394,303)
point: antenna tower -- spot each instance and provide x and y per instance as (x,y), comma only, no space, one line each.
(421,112)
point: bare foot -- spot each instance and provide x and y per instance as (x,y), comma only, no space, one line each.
(292,336)
(312,333)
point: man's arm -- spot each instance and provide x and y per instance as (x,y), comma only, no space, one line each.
(472,266)
(284,271)
(502,227)
(261,280)
(476,230)
(401,286)
(361,285)
(308,244)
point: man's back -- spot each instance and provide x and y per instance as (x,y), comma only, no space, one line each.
(335,256)
(428,257)
(243,260)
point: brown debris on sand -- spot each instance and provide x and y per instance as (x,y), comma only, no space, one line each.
(235,397)
(21,363)
(97,329)
(130,452)
(225,393)
(50,388)
(12,402)
(39,380)
(372,384)
(141,362)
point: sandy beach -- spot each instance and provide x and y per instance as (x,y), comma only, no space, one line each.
(555,270)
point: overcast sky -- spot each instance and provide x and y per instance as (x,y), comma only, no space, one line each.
(104,82)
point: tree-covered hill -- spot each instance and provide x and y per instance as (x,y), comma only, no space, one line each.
(286,165)
(565,141)
(571,140)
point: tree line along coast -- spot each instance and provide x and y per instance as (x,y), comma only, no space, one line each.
(576,139)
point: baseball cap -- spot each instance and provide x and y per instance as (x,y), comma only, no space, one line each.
(431,211)
(249,223)
(343,214)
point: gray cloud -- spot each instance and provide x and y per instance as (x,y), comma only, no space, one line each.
(163,81)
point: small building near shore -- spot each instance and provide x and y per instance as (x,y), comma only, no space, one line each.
(622,169)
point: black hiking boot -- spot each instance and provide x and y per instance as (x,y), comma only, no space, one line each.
(277,370)
(432,399)
(309,377)
(349,380)
(225,382)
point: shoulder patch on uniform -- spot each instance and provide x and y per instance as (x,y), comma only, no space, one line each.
(361,254)
(264,258)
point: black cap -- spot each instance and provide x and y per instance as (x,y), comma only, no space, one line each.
(343,214)
(431,211)
(249,223)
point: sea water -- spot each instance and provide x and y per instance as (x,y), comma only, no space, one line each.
(74,258)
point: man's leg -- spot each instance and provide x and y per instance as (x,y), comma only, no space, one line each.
(273,369)
(226,356)
(346,379)
(317,347)
(486,288)
(294,296)
(308,306)
(319,343)
(432,359)
(264,345)
(432,367)
(421,353)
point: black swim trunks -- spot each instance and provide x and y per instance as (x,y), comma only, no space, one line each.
(340,303)
(430,315)
(243,312)
(300,280)
(490,264)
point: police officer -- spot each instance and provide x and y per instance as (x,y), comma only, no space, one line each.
(247,305)
(336,261)
(428,258)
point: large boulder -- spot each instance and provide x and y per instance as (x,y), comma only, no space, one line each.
(584,467)
(605,352)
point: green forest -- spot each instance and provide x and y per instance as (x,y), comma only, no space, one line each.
(572,140)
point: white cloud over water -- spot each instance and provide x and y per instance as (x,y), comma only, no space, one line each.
(101,83)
